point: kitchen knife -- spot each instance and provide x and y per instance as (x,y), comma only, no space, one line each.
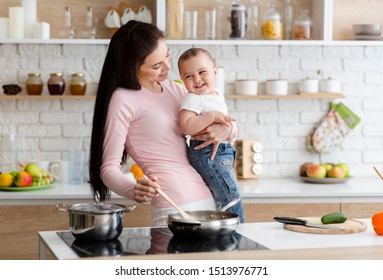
(296,221)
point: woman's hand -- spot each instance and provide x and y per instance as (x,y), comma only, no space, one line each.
(215,134)
(145,189)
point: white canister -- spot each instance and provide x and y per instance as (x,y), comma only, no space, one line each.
(309,86)
(3,28)
(276,87)
(16,23)
(330,85)
(246,87)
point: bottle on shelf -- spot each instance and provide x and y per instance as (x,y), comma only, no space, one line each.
(175,19)
(56,84)
(77,84)
(303,26)
(289,19)
(219,15)
(237,20)
(69,30)
(89,31)
(253,20)
(34,84)
(272,27)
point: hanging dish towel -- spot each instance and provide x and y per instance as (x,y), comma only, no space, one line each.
(330,132)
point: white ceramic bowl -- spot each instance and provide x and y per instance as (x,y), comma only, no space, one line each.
(371,29)
(276,87)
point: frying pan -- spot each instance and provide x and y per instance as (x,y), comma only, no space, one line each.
(206,223)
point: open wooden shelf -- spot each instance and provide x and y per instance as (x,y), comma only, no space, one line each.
(302,95)
(47,97)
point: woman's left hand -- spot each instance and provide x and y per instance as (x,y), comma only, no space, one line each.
(215,134)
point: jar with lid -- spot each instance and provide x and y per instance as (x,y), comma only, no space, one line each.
(272,27)
(56,84)
(77,84)
(303,26)
(34,84)
(237,21)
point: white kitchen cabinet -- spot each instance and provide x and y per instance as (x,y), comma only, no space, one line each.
(332,19)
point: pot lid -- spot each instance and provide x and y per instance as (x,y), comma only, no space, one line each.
(96,208)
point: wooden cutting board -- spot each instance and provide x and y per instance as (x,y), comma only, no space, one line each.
(349,226)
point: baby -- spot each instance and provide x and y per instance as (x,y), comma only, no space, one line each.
(202,106)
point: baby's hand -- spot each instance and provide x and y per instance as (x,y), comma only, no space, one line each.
(222,118)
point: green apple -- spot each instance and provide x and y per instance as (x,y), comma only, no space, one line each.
(345,168)
(328,166)
(316,171)
(336,172)
(35,171)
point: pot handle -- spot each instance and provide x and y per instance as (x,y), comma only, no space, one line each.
(62,207)
(130,209)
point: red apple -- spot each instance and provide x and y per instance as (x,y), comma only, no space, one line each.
(316,171)
(336,172)
(23,179)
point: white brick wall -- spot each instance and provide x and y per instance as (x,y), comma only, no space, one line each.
(50,128)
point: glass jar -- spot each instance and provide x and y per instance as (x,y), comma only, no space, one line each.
(303,26)
(77,84)
(68,31)
(34,84)
(238,21)
(56,84)
(272,27)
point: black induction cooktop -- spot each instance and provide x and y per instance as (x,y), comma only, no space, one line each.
(147,241)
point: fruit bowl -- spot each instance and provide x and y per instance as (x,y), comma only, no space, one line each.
(25,189)
(324,180)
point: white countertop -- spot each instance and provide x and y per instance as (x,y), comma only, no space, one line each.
(281,190)
(271,235)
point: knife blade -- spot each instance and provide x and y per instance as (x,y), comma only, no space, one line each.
(296,221)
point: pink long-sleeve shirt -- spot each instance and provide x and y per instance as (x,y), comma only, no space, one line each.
(146,124)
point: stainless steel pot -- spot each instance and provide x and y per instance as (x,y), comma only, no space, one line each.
(95,221)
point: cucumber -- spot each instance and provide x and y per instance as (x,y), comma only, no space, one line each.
(334,218)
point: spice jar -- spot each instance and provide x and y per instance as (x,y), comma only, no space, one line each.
(272,27)
(238,21)
(56,84)
(34,84)
(77,84)
(303,26)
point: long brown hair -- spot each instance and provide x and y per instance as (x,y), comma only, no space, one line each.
(127,51)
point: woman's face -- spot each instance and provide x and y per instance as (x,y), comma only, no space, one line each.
(156,66)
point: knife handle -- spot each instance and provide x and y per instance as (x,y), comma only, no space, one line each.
(290,221)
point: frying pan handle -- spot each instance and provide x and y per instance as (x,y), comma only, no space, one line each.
(62,207)
(130,209)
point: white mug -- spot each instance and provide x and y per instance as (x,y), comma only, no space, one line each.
(112,19)
(60,170)
(128,15)
(144,15)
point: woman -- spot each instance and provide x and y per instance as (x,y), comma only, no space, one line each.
(136,114)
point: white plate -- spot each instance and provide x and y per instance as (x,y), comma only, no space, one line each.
(325,180)
(367,37)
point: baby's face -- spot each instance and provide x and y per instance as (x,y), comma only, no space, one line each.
(198,74)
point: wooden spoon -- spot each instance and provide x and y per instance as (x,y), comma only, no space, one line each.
(183,214)
(377,171)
